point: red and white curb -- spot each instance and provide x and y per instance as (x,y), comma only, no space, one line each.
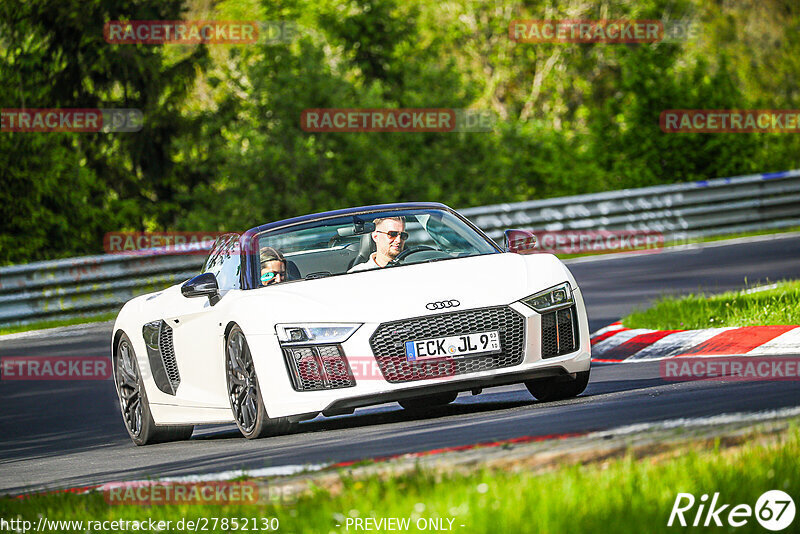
(615,343)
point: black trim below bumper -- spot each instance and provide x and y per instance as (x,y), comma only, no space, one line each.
(346,406)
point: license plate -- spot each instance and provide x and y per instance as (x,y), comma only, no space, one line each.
(453,346)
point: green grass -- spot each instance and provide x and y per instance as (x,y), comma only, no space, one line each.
(620,496)
(747,307)
(723,237)
(54,323)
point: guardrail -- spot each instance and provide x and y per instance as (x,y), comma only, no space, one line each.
(90,285)
(704,208)
(64,289)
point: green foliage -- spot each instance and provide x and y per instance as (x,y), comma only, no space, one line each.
(222,147)
(61,192)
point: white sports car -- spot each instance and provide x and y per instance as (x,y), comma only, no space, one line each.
(400,302)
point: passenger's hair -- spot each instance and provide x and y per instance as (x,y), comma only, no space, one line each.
(381,219)
(270,254)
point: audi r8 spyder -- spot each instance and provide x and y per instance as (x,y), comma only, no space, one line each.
(326,313)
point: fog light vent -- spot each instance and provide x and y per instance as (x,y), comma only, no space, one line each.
(318,367)
(559,332)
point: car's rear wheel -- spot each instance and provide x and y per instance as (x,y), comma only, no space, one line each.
(244,392)
(422,403)
(553,389)
(133,401)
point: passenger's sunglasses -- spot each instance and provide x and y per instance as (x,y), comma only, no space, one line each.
(393,234)
(270,276)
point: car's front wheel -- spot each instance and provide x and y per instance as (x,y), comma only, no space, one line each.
(553,389)
(244,392)
(133,401)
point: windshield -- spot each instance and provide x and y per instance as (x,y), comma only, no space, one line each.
(365,241)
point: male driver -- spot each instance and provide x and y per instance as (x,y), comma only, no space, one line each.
(390,238)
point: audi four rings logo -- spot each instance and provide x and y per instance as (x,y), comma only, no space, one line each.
(442,304)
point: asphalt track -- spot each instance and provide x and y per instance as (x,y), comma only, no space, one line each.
(56,434)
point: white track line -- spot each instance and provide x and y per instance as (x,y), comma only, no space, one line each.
(722,419)
(60,331)
(279,470)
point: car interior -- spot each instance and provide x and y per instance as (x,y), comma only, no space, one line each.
(318,252)
(326,262)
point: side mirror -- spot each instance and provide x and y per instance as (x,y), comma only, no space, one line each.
(202,285)
(519,241)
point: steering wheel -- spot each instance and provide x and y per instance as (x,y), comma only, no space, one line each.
(408,252)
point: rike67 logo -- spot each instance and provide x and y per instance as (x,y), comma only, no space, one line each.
(774,510)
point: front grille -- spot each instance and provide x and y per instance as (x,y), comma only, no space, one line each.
(559,332)
(167,349)
(389,349)
(318,367)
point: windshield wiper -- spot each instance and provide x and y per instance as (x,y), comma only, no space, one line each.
(319,274)
(439,259)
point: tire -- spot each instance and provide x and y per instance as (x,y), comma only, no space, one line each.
(421,403)
(547,390)
(244,392)
(133,401)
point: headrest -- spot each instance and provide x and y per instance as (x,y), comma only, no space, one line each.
(292,272)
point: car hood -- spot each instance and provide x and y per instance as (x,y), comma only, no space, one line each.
(386,294)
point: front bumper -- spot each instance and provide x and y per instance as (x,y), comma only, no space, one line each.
(347,405)
(371,383)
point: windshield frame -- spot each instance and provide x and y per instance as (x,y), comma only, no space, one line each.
(250,239)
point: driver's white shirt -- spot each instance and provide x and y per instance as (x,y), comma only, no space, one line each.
(366,266)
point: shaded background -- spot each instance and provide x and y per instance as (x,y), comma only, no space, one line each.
(222,148)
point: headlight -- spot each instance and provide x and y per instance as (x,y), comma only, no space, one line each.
(290,334)
(559,296)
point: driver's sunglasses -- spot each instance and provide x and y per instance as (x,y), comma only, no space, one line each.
(394,233)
